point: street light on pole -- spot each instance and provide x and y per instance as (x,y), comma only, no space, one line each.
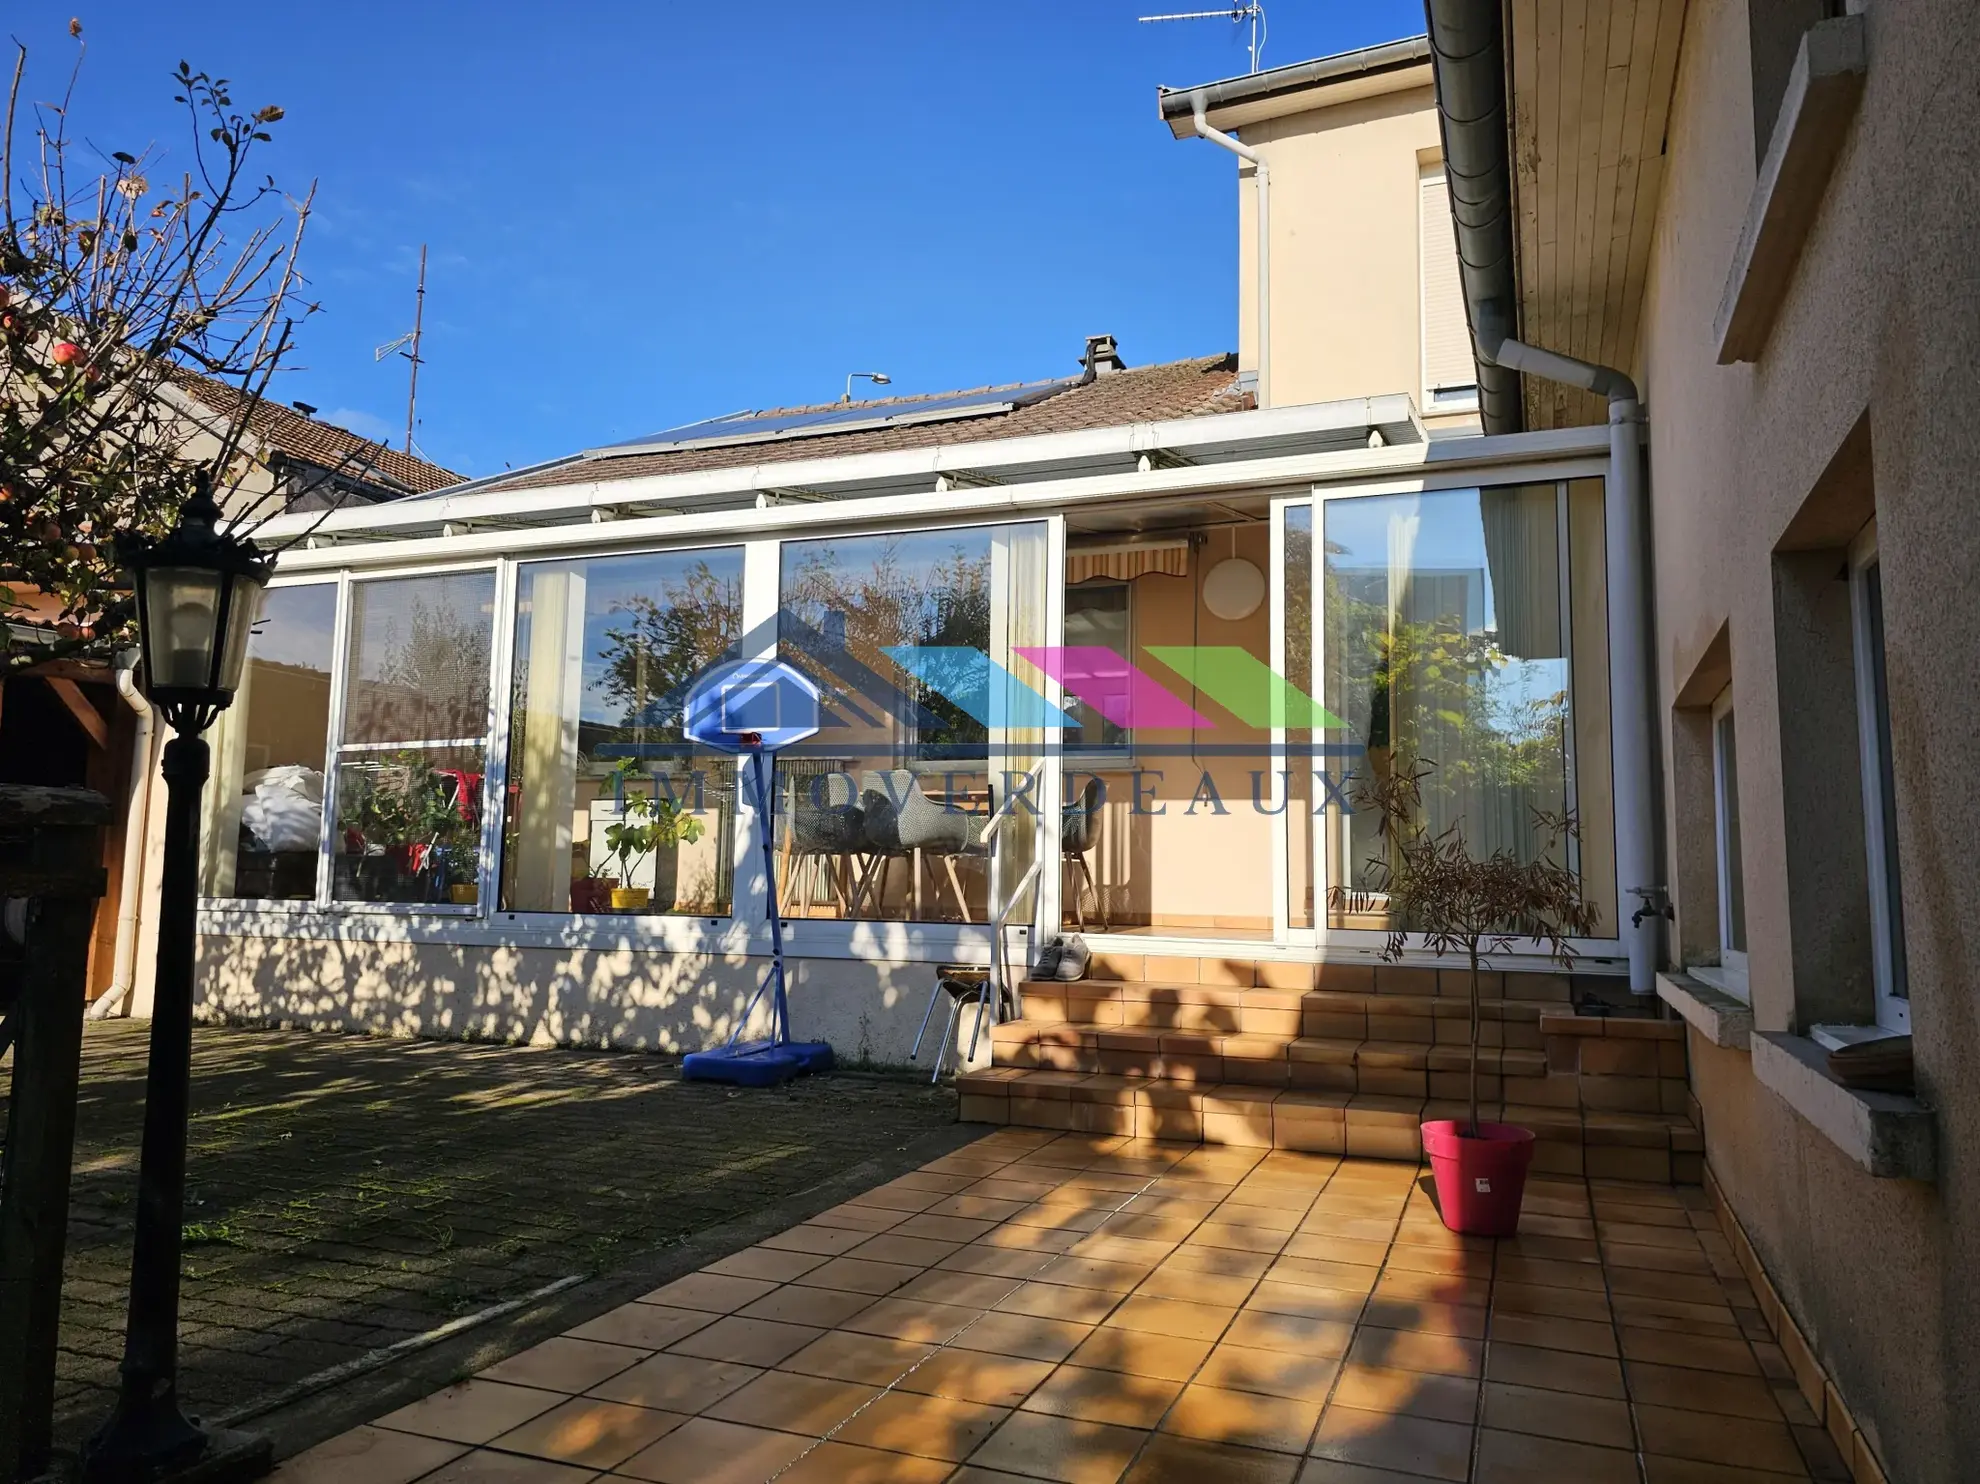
(198,594)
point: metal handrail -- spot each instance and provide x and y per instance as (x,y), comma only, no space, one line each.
(1000,904)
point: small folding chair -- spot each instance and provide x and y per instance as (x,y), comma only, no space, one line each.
(961,984)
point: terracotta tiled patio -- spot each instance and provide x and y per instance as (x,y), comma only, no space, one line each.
(1073,1308)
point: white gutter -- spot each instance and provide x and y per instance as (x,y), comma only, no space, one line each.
(1198,103)
(1631,726)
(130,885)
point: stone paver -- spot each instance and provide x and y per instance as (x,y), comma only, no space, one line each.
(1062,1307)
(347,1192)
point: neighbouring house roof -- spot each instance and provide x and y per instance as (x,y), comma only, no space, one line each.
(284,430)
(1299,86)
(1200,387)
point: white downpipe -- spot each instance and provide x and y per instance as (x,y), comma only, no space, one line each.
(130,885)
(1631,739)
(1264,180)
(1630,683)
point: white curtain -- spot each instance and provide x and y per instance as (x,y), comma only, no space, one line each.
(1017,619)
(220,808)
(1522,549)
(551,695)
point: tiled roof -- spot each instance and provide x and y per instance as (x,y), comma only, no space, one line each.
(281,429)
(1176,389)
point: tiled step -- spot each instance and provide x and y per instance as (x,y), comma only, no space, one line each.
(1365,978)
(1317,1063)
(1631,1146)
(1166,1008)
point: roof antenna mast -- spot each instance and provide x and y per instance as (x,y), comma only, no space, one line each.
(1253,12)
(407,345)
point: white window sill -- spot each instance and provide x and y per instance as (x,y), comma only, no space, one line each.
(1892,1137)
(1835,1037)
(1717,1016)
(1729,982)
(1822,93)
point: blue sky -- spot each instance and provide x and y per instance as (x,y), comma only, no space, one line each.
(644,214)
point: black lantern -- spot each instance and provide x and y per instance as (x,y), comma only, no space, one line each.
(198,595)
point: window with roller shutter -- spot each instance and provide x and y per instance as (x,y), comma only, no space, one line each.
(1450,378)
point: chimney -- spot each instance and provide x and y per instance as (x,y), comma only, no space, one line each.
(304,408)
(1102,357)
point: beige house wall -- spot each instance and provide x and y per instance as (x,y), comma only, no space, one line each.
(1346,252)
(1879,336)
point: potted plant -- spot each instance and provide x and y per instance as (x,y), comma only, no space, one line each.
(1460,903)
(647,826)
(592,892)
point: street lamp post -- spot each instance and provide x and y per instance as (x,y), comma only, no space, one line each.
(198,594)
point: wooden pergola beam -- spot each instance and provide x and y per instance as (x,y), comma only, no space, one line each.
(87,716)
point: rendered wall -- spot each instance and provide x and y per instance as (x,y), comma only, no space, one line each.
(620,998)
(1880,328)
(1346,291)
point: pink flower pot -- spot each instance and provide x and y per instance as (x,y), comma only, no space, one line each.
(1479,1181)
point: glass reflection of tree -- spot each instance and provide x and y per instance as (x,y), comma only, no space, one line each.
(658,646)
(1432,691)
(900,598)
(431,681)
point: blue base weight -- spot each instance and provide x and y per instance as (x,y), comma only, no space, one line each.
(812,1056)
(751,1064)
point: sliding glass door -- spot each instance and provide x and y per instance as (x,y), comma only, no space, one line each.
(925,646)
(1459,635)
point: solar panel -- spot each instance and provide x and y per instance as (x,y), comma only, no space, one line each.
(769,427)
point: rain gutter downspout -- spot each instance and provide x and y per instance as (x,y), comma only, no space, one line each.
(130,885)
(1243,151)
(1467,58)
(1631,738)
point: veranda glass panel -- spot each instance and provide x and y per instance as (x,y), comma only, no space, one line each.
(414,744)
(604,793)
(1447,649)
(932,720)
(1183,782)
(264,806)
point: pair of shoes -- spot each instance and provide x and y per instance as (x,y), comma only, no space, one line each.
(1074,956)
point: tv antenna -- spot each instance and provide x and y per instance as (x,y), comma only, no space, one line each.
(1253,12)
(407,345)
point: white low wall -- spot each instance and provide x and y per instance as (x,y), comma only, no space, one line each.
(620,998)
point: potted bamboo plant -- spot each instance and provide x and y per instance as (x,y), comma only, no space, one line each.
(1460,903)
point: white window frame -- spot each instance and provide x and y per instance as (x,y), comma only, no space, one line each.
(885,938)
(335,581)
(327,898)
(1085,757)
(741,847)
(1593,953)
(1730,972)
(1887,959)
